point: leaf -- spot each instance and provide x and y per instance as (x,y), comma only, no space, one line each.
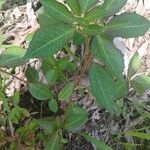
(32,75)
(99,144)
(12,57)
(54,143)
(48,41)
(45,19)
(128,25)
(141,83)
(104,50)
(58,123)
(108,8)
(53,106)
(86,4)
(93,29)
(46,124)
(15,99)
(134,65)
(40,91)
(57,11)
(138,134)
(102,87)
(74,5)
(66,92)
(75,118)
(121,88)
(78,39)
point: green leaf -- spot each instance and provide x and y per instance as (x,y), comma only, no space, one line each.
(74,5)
(104,50)
(48,41)
(99,144)
(121,88)
(51,76)
(86,4)
(141,83)
(58,123)
(54,142)
(66,92)
(40,91)
(108,8)
(53,106)
(46,124)
(93,29)
(32,75)
(16,98)
(12,57)
(57,11)
(78,39)
(138,134)
(75,118)
(45,19)
(102,87)
(134,65)
(128,25)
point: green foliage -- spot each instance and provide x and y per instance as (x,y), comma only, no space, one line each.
(99,144)
(12,57)
(86,24)
(40,91)
(75,118)
(66,92)
(134,65)
(32,75)
(53,106)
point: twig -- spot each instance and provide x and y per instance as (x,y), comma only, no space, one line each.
(5,72)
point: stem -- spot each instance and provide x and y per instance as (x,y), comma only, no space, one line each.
(85,61)
(5,72)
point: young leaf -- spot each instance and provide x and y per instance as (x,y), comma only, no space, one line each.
(54,143)
(99,144)
(75,118)
(12,57)
(15,98)
(58,123)
(32,75)
(48,41)
(138,134)
(53,106)
(66,92)
(86,4)
(57,11)
(140,83)
(102,87)
(104,50)
(93,29)
(127,24)
(108,8)
(134,65)
(74,5)
(40,91)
